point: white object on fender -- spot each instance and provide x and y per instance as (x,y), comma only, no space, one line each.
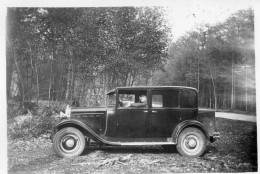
(67,112)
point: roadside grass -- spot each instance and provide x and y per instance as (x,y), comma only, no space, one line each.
(236,151)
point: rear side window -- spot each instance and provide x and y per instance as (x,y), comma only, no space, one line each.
(171,98)
(165,98)
(188,99)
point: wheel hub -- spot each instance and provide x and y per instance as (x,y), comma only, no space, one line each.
(192,143)
(70,143)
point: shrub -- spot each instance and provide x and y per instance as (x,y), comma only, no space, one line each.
(33,127)
(34,120)
(13,109)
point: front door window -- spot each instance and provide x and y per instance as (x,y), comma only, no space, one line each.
(134,98)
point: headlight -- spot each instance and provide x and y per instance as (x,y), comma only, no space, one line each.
(67,112)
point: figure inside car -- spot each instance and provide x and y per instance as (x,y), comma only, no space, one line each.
(142,102)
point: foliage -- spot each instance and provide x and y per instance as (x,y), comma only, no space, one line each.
(218,60)
(65,53)
(32,127)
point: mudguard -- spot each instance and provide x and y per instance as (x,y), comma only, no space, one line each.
(87,130)
(188,123)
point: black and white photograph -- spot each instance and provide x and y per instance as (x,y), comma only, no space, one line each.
(130,87)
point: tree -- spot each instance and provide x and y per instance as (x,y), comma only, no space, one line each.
(83,52)
(212,58)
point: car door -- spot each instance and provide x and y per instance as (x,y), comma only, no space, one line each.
(132,122)
(165,112)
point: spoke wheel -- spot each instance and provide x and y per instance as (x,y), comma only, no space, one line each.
(68,142)
(191,142)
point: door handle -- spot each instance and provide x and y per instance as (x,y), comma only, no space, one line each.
(154,111)
(145,111)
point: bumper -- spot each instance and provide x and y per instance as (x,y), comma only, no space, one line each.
(215,136)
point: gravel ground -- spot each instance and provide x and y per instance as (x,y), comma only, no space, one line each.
(236,151)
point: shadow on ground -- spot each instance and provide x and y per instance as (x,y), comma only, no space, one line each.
(131,149)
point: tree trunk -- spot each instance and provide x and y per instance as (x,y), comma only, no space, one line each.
(232,84)
(35,69)
(21,85)
(198,80)
(50,85)
(246,86)
(58,91)
(69,79)
(72,84)
(68,85)
(214,87)
(210,95)
(37,85)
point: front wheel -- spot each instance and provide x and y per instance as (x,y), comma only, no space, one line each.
(191,142)
(68,142)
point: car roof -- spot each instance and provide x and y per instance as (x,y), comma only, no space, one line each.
(150,87)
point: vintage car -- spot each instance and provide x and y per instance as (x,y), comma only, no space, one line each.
(166,116)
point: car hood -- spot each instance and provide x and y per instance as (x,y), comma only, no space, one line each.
(84,109)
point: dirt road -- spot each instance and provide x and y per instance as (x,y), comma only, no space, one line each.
(236,151)
(234,116)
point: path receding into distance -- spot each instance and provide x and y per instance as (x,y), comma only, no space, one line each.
(235,116)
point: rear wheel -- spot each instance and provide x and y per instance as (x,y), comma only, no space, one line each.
(191,142)
(68,142)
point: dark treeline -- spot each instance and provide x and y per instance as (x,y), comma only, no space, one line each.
(62,54)
(219,61)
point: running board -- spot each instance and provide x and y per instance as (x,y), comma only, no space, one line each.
(136,141)
(145,143)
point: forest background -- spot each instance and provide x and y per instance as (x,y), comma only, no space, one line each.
(63,54)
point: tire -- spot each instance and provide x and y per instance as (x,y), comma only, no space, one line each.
(191,142)
(68,142)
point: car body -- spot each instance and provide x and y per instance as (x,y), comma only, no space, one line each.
(169,116)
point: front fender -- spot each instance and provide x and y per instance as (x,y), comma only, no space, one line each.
(187,123)
(85,130)
(80,125)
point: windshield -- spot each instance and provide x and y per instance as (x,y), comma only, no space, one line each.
(111,100)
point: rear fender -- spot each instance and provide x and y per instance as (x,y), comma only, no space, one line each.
(185,124)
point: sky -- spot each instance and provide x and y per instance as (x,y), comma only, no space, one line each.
(185,15)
